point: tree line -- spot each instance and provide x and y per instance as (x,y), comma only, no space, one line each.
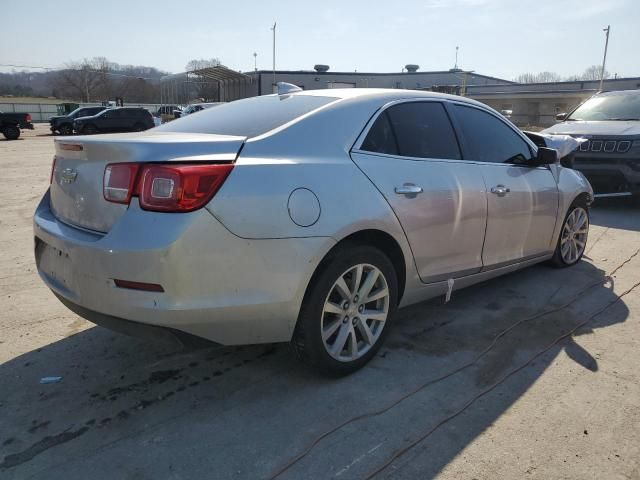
(93,80)
(590,73)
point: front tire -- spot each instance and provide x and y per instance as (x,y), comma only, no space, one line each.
(573,236)
(65,129)
(11,132)
(347,310)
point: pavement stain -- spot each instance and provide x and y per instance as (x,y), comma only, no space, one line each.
(40,446)
(158,377)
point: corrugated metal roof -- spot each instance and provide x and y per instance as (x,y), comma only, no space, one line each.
(219,73)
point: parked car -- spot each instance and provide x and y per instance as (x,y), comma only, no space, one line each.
(119,119)
(12,123)
(166,110)
(305,217)
(197,107)
(611,158)
(64,124)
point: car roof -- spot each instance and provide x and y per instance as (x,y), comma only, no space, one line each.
(384,95)
(615,93)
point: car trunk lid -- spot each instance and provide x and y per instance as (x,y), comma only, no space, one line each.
(76,187)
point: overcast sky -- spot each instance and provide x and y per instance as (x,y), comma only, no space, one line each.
(502,38)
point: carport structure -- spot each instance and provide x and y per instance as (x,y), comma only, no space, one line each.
(211,84)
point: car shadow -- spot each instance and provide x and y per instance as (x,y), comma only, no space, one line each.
(126,408)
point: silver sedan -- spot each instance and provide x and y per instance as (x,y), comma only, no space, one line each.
(303,217)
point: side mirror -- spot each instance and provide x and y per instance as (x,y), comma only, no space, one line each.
(545,156)
(561,116)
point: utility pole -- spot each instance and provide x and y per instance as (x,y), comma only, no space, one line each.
(255,61)
(456,65)
(274,56)
(604,59)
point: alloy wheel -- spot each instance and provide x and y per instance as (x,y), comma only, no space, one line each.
(574,235)
(355,312)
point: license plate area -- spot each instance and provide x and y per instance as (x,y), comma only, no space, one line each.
(54,263)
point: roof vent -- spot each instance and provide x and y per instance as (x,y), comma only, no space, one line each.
(412,68)
(321,68)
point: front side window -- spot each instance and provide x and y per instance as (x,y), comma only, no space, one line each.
(416,129)
(490,139)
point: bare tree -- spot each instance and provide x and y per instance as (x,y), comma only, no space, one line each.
(86,80)
(540,77)
(198,64)
(593,73)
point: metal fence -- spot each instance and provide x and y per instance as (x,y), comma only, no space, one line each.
(42,112)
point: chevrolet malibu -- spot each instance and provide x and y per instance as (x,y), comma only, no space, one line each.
(302,217)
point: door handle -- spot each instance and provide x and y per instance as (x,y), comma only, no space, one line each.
(500,190)
(408,189)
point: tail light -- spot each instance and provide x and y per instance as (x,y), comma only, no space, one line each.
(28,117)
(119,181)
(164,187)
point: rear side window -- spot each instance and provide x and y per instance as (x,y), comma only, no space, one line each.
(380,138)
(490,139)
(249,117)
(419,129)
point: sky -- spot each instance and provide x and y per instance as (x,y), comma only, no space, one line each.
(501,38)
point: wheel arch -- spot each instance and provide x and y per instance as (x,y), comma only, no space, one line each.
(375,238)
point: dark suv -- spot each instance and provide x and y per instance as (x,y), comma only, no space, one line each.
(611,158)
(64,124)
(121,119)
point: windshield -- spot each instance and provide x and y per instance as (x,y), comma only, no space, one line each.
(75,112)
(249,117)
(609,107)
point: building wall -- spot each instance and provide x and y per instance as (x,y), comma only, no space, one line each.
(264,80)
(536,104)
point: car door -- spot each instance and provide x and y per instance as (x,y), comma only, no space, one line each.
(128,117)
(108,120)
(522,199)
(411,154)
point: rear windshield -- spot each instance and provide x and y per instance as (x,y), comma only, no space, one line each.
(249,117)
(609,107)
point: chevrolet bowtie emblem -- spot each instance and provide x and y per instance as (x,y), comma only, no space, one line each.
(68,175)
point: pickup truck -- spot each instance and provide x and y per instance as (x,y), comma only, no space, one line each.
(12,123)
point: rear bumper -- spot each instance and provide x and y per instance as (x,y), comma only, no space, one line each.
(216,285)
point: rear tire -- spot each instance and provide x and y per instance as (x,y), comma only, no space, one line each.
(11,132)
(572,240)
(337,332)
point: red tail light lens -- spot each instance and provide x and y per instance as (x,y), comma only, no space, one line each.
(119,182)
(28,117)
(164,187)
(180,188)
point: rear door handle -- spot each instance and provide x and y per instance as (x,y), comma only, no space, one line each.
(408,189)
(500,190)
